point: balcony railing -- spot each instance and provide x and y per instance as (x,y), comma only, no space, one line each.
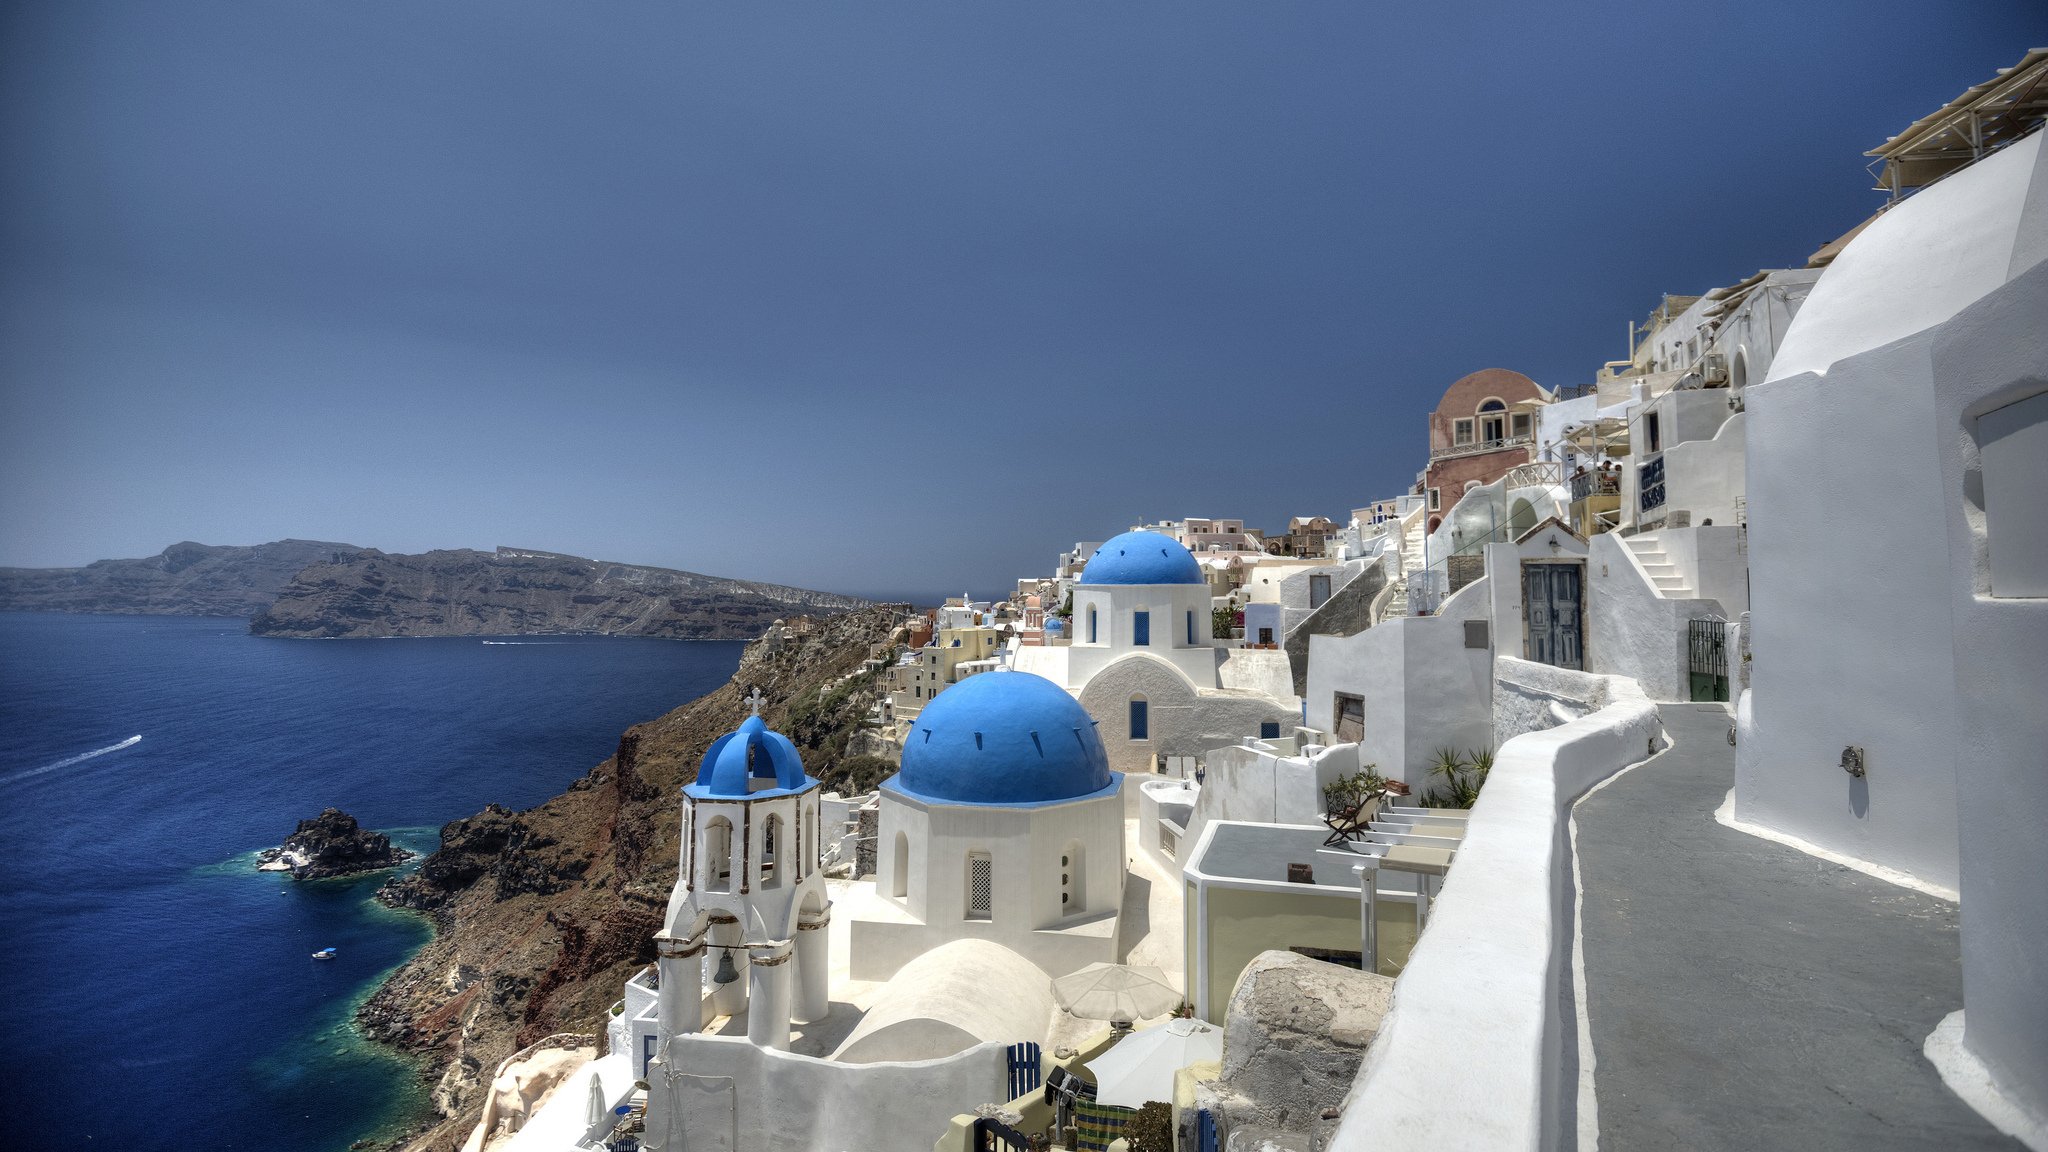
(1479,447)
(1586,485)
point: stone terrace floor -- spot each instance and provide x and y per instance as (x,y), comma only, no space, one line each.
(1745,995)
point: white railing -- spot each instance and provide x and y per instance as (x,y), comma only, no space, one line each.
(1478,446)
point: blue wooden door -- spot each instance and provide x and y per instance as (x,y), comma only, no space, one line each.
(1551,595)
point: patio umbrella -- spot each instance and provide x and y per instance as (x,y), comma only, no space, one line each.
(1118,993)
(1140,1067)
(599,1109)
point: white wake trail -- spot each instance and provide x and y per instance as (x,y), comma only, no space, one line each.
(68,761)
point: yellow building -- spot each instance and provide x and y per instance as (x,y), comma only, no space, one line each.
(938,664)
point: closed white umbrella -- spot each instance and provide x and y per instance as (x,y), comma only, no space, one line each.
(600,1109)
(1119,993)
(1140,1068)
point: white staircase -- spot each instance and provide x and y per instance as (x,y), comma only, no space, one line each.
(1655,565)
(1414,530)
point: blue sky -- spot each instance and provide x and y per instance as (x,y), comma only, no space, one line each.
(872,297)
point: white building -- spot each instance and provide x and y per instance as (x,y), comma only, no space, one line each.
(1899,605)
(1144,662)
(1006,825)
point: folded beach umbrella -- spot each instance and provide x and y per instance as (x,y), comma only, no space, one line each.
(1140,1067)
(599,1109)
(1116,992)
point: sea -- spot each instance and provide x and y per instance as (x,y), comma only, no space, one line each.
(156,992)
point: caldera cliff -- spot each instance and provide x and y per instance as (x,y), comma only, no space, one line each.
(521,592)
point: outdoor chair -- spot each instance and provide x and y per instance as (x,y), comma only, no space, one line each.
(1351,823)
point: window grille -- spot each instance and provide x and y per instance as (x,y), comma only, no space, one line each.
(980,886)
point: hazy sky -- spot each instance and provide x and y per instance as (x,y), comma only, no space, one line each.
(862,296)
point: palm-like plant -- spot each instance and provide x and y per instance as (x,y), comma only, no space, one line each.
(1462,775)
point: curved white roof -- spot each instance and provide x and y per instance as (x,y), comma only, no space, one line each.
(1930,257)
(953,997)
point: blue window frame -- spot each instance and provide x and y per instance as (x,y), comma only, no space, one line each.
(1269,730)
(1140,728)
(1141,629)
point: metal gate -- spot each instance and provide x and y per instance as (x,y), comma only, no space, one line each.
(996,1136)
(1550,611)
(1024,1063)
(1706,658)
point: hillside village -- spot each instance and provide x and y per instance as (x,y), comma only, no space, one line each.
(1663,767)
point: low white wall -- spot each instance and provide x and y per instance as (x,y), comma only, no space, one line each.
(783,1102)
(1256,787)
(1166,799)
(1471,1055)
(1532,697)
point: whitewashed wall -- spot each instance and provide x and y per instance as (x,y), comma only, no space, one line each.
(726,1095)
(1990,356)
(1478,1005)
(1423,689)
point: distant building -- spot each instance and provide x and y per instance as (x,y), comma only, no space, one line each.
(1476,435)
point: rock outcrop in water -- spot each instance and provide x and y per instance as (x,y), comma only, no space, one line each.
(543,914)
(519,592)
(185,579)
(329,845)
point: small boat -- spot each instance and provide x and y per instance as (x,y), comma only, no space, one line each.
(324,954)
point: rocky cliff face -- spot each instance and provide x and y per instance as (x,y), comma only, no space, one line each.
(543,914)
(332,844)
(186,579)
(513,592)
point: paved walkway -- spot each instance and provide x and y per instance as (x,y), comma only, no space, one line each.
(1744,995)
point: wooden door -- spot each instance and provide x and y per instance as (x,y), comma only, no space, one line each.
(1551,595)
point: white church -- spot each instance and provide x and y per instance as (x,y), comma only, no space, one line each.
(1145,662)
(1001,860)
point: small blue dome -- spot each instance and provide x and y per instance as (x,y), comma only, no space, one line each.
(740,757)
(1003,738)
(1142,558)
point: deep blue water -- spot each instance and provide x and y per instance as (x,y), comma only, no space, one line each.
(155,991)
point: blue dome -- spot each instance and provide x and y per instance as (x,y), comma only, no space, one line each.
(1142,558)
(1003,738)
(751,752)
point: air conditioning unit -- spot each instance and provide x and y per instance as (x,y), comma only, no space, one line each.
(1714,370)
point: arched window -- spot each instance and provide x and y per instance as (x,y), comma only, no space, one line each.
(1493,421)
(1091,623)
(1738,375)
(771,845)
(1073,879)
(899,882)
(717,855)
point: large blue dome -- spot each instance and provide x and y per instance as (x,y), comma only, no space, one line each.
(1003,738)
(1142,558)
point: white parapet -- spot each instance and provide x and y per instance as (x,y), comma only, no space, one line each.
(1479,1004)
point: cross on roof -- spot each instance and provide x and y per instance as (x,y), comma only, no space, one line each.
(754,700)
